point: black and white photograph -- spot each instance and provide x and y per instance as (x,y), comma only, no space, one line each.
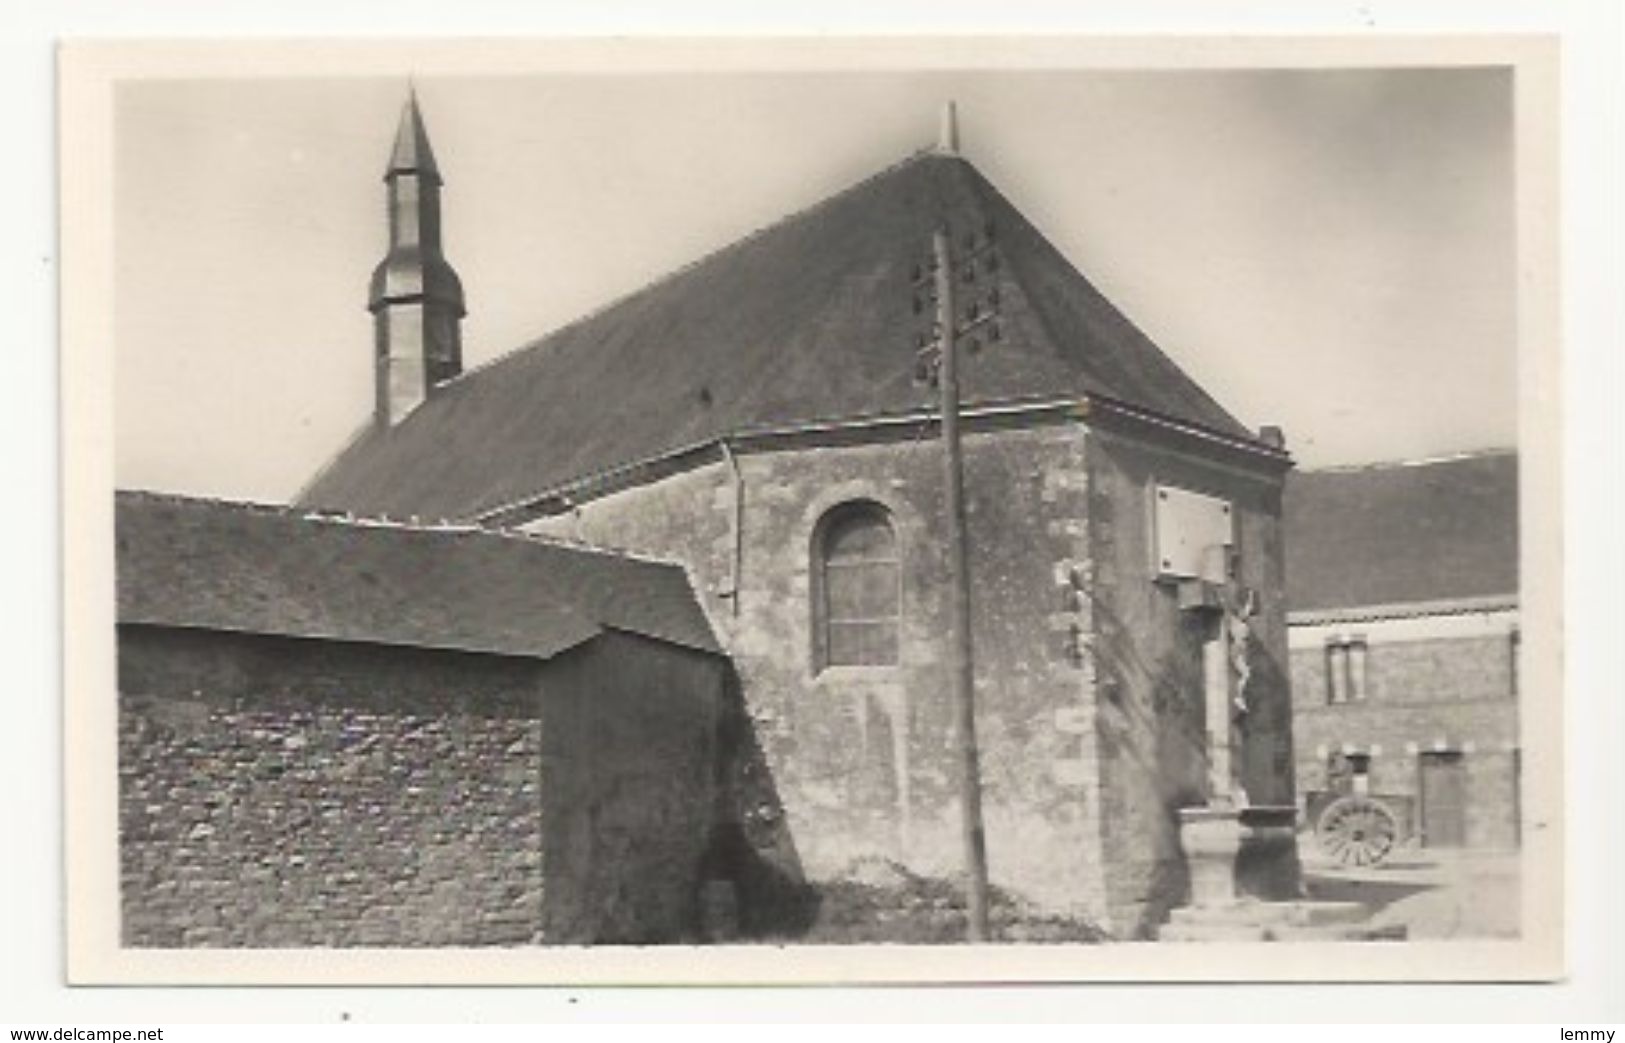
(924,510)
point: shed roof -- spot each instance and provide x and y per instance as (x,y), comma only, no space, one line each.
(1390,534)
(249,568)
(807,320)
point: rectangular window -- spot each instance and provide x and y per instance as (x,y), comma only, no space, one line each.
(1346,670)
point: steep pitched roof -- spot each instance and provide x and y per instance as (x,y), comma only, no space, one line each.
(809,319)
(1396,533)
(240,567)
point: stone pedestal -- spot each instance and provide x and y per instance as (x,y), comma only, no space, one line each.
(1211,837)
(1244,883)
(1267,867)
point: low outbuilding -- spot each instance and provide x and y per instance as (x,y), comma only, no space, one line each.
(337,731)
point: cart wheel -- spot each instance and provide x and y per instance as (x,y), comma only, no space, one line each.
(1357,831)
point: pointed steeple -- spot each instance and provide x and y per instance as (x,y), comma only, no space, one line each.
(412,154)
(416,298)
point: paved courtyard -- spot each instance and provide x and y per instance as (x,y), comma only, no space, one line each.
(1437,893)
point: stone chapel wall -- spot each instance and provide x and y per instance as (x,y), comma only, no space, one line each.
(861,758)
(1148,663)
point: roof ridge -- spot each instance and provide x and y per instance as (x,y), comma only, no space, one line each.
(1419,461)
(579,546)
(1458,606)
(258,506)
(673,274)
(362,429)
(981,186)
(327,515)
(1018,271)
(412,523)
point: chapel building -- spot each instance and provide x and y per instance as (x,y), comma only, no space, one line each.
(759,418)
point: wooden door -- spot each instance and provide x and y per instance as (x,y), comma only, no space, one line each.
(1444,800)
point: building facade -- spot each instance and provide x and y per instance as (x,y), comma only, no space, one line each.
(759,417)
(1403,589)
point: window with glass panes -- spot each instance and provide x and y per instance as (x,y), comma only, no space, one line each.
(858,595)
(1346,670)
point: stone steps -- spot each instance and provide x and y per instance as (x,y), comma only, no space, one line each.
(1280,914)
(1254,921)
(1278,933)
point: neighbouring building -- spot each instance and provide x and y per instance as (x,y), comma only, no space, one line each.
(1402,585)
(759,417)
(338,732)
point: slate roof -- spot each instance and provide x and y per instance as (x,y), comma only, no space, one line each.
(809,319)
(1391,534)
(267,570)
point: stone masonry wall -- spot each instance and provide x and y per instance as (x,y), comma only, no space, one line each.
(860,761)
(1148,661)
(1407,673)
(1445,694)
(278,792)
(254,811)
(233,834)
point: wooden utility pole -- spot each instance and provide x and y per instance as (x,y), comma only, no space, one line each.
(937,359)
(970,776)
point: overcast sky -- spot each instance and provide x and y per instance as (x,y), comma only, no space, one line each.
(1328,251)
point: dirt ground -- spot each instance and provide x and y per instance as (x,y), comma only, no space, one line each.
(1438,893)
(1433,894)
(881,901)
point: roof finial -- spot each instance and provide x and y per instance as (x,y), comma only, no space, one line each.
(948,137)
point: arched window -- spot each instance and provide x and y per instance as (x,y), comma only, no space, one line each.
(857,587)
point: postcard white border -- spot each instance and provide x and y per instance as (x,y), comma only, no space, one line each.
(88,71)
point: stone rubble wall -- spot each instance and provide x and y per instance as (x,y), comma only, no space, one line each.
(291,792)
(276,828)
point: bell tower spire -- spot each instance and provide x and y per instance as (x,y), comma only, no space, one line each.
(416,299)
